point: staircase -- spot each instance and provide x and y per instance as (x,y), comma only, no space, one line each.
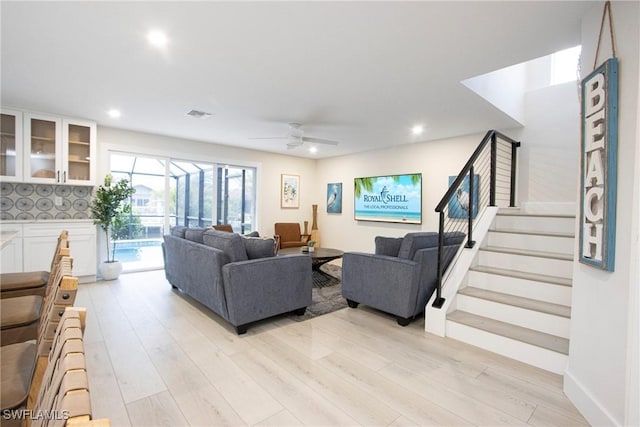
(517,299)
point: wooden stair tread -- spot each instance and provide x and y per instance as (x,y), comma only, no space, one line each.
(555,280)
(516,301)
(518,333)
(533,233)
(527,252)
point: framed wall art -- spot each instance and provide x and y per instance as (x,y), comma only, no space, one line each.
(289,191)
(334,197)
(459,203)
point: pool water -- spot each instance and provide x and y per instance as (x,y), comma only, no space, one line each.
(136,252)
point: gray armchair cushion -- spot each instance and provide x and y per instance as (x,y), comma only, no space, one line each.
(453,238)
(259,248)
(389,246)
(194,234)
(230,243)
(415,241)
(178,231)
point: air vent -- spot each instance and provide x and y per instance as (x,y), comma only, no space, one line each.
(199,114)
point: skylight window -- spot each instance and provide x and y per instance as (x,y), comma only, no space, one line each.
(564,65)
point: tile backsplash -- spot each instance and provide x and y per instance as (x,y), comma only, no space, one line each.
(24,201)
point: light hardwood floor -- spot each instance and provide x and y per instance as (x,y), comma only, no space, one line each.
(158,358)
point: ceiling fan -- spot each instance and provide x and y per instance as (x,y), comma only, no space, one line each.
(295,137)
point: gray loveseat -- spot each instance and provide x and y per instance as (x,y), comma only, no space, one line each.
(400,277)
(237,277)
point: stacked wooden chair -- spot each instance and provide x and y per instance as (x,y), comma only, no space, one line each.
(20,359)
(31,282)
(20,316)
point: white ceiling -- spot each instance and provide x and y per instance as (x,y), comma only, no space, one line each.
(359,72)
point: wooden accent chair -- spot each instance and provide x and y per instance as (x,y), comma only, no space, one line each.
(289,235)
(20,317)
(32,282)
(224,227)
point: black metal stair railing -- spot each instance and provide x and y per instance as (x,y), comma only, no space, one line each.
(487,179)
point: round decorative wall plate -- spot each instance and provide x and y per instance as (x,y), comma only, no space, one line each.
(44,204)
(81,191)
(44,190)
(63,191)
(5,203)
(6,188)
(24,216)
(24,204)
(24,189)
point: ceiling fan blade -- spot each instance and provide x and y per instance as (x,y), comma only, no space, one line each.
(293,143)
(270,137)
(319,140)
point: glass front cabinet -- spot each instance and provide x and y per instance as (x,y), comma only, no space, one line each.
(78,152)
(11,147)
(59,150)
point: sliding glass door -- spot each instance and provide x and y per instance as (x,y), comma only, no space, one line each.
(178,192)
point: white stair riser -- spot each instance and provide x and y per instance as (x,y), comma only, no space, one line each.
(542,291)
(527,353)
(535,223)
(530,264)
(531,241)
(542,322)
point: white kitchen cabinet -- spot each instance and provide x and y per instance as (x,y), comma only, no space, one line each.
(38,242)
(59,150)
(11,146)
(11,254)
(78,152)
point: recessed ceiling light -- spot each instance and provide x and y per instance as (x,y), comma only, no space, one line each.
(417,129)
(157,38)
(313,150)
(113,113)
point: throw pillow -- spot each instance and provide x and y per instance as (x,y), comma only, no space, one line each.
(252,234)
(229,243)
(194,234)
(388,245)
(259,248)
(178,231)
(414,241)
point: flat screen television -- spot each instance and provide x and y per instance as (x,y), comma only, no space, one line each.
(389,198)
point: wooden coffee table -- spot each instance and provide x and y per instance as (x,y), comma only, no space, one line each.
(319,256)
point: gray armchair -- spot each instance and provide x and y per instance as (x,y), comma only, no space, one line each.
(400,277)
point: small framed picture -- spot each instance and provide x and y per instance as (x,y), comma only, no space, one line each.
(334,197)
(290,191)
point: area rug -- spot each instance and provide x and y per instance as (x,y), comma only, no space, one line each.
(326,294)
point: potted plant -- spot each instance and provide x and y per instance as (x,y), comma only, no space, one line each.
(107,208)
(311,244)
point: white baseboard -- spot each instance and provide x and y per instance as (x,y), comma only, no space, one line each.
(558,208)
(586,403)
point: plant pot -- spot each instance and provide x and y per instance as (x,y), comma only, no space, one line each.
(110,270)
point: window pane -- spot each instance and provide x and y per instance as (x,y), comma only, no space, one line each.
(137,234)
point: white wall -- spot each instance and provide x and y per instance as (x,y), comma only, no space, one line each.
(549,155)
(269,166)
(436,160)
(602,373)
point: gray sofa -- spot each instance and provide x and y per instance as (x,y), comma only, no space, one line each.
(237,277)
(400,277)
